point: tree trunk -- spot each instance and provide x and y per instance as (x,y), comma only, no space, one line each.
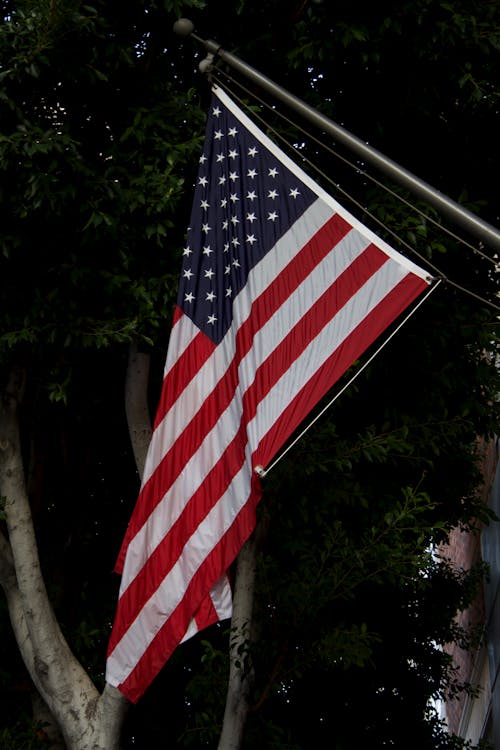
(240,663)
(87,720)
(136,405)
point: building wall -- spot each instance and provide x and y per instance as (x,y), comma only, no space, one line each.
(479,718)
(490,547)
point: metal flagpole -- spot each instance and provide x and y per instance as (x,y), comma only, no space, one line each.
(485,232)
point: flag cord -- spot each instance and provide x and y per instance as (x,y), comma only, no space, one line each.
(264,472)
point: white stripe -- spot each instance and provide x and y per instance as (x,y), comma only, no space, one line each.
(170,593)
(312,185)
(321,348)
(222,599)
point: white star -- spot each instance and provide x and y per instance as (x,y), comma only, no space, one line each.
(187,273)
(233,176)
(235,220)
(223,203)
(222,180)
(210,296)
(235,241)
(204,204)
(236,263)
(294,193)
(202,181)
(251,238)
(207,250)
(233,198)
(233,153)
(251,218)
(218,135)
(220,157)
(216,112)
(188,297)
(211,319)
(272,216)
(205,228)
(273,172)
(229,291)
(209,273)
(252,151)
(225,224)
(203,159)
(227,270)
(252,173)
(187,251)
(232,131)
(226,247)
(272,194)
(251,195)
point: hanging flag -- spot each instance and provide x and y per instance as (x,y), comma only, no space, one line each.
(281,289)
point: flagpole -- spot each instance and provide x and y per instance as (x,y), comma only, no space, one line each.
(470,222)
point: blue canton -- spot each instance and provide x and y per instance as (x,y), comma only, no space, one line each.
(245,200)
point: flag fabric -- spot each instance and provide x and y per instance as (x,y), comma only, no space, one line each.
(281,289)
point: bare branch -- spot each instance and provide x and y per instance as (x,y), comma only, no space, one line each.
(136,405)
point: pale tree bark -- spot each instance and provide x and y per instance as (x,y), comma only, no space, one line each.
(240,662)
(136,405)
(87,720)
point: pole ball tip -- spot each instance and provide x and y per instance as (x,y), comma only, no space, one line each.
(183,27)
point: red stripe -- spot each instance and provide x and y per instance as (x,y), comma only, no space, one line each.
(206,614)
(173,630)
(334,367)
(177,315)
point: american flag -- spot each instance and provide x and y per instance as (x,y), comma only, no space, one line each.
(281,289)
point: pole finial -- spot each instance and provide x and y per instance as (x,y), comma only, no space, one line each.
(183,27)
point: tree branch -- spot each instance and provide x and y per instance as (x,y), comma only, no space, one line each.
(240,664)
(136,404)
(60,679)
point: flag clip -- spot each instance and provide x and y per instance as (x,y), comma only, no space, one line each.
(206,65)
(260,471)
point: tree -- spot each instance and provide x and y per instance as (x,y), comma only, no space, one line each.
(96,180)
(89,163)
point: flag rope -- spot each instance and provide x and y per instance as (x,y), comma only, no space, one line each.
(264,472)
